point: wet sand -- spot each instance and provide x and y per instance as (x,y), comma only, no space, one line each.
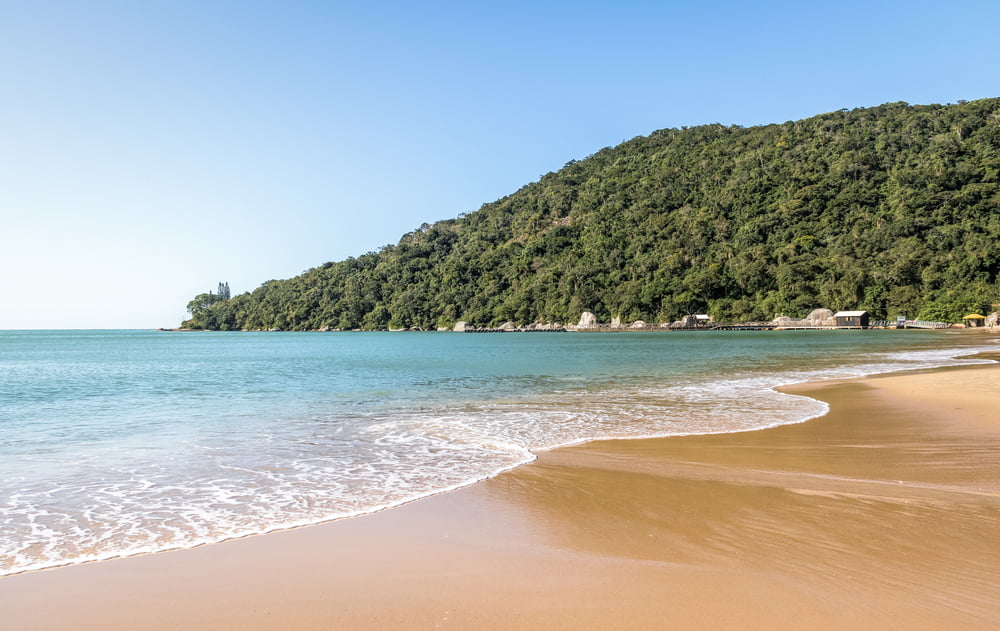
(884,514)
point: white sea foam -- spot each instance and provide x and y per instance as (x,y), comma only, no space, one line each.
(317,468)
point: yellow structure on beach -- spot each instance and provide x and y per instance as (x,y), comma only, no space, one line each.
(974,320)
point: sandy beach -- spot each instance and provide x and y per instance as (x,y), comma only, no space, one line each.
(884,514)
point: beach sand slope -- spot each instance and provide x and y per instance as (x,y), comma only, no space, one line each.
(884,514)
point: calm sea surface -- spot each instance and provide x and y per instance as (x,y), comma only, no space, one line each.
(119,442)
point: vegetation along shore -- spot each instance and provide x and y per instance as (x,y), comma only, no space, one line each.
(893,210)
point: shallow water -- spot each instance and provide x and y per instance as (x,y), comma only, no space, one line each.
(120,442)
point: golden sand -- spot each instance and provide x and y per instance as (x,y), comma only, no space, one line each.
(884,514)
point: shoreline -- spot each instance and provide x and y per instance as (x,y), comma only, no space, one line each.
(759,529)
(558,328)
(782,388)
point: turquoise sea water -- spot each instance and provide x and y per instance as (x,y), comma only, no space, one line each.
(121,442)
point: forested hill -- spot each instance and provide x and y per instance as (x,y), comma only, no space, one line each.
(894,209)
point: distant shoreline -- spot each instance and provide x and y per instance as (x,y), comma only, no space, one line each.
(608,329)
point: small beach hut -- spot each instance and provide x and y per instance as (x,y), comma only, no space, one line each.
(974,320)
(853,319)
(696,320)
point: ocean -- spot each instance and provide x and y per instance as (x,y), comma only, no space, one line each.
(115,443)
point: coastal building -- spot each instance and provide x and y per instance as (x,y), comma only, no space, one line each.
(974,320)
(696,320)
(853,319)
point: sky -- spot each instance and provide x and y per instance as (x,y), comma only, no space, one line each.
(150,150)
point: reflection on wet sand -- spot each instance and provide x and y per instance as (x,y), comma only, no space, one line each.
(890,500)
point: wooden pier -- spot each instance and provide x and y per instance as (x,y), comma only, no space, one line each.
(517,330)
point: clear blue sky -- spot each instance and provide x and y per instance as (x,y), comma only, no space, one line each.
(151,149)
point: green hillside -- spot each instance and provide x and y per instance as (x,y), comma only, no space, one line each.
(894,209)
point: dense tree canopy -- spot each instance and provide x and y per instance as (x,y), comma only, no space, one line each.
(894,209)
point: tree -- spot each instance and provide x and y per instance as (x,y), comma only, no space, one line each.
(892,208)
(201,312)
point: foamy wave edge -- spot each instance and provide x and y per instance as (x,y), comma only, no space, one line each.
(949,358)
